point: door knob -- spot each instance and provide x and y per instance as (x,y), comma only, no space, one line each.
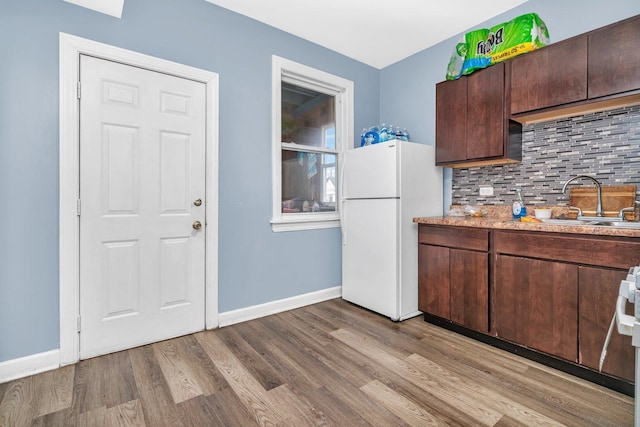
(197,202)
(197,225)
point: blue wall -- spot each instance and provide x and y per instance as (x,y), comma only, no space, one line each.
(255,264)
(407,88)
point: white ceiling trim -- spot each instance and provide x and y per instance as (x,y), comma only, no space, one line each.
(108,7)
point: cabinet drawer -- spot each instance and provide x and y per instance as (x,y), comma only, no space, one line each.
(585,250)
(454,237)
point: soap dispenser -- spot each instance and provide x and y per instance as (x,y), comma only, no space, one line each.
(518,208)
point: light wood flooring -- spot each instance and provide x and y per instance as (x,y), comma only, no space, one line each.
(328,364)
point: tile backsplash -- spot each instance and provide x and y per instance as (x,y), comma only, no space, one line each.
(605,145)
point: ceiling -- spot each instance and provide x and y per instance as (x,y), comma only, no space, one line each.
(108,7)
(376,32)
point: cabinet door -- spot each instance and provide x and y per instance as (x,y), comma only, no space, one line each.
(614,59)
(598,290)
(433,280)
(451,120)
(536,304)
(485,113)
(469,273)
(551,76)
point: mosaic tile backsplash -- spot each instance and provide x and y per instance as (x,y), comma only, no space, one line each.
(605,145)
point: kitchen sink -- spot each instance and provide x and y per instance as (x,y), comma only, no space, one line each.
(613,222)
(626,224)
(564,222)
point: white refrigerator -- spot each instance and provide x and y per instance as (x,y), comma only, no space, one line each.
(384,187)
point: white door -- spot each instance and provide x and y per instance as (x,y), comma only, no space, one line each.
(142,188)
(370,254)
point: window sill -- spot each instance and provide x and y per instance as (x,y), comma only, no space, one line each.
(300,223)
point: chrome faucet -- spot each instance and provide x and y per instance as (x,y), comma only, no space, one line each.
(599,211)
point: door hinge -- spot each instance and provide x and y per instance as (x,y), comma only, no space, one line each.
(78,91)
(78,204)
(78,323)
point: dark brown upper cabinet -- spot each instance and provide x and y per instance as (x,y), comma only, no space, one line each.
(472,126)
(595,71)
(614,58)
(551,76)
(451,121)
(479,117)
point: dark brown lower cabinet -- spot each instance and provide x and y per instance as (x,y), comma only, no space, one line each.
(535,304)
(598,291)
(564,288)
(551,292)
(469,272)
(433,280)
(453,275)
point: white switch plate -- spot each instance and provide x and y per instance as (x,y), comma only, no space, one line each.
(486,191)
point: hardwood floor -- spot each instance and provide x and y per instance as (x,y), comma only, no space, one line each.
(328,364)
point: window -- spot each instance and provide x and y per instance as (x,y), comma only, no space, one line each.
(312,120)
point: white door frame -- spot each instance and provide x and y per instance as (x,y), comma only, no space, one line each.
(71,47)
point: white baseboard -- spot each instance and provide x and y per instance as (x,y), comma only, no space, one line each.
(49,360)
(29,365)
(273,307)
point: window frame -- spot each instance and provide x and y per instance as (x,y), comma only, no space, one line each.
(305,76)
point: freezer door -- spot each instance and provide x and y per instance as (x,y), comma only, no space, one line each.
(370,254)
(371,172)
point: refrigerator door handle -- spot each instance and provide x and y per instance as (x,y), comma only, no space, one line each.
(342,222)
(343,166)
(341,186)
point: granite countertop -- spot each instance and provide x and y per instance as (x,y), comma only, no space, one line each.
(495,219)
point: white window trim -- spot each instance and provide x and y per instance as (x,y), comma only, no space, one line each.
(298,73)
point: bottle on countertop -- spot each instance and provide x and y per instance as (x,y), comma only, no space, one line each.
(518,208)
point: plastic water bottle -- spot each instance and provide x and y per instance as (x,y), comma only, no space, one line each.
(391,133)
(406,135)
(362,141)
(384,136)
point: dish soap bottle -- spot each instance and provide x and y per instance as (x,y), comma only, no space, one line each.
(518,208)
